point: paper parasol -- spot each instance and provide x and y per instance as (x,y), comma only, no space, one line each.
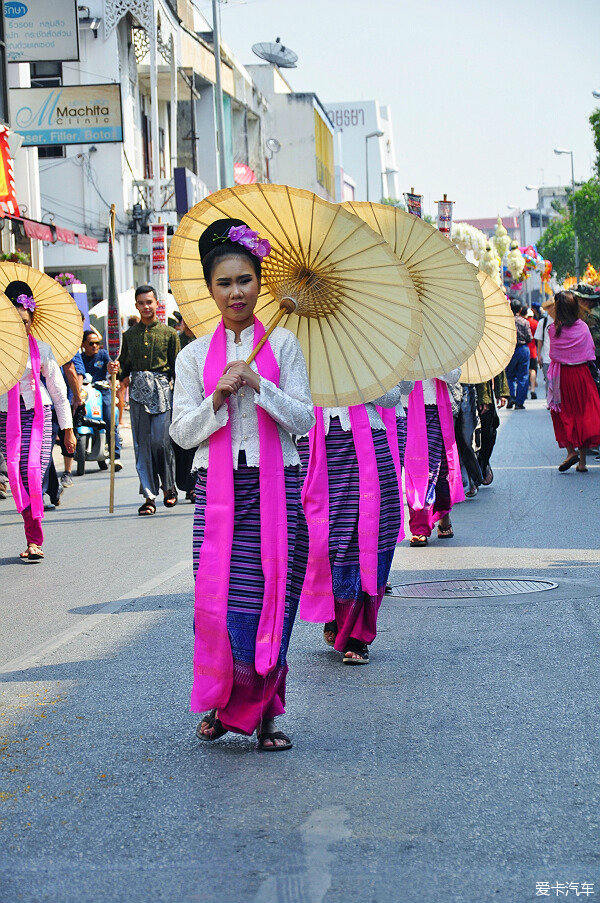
(497,345)
(56,318)
(14,347)
(450,296)
(358,318)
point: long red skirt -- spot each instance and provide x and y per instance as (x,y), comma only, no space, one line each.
(578,421)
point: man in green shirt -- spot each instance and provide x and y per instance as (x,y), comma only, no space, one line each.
(148,358)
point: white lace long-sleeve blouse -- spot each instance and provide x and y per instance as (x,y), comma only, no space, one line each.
(429,392)
(389,400)
(54,392)
(289,404)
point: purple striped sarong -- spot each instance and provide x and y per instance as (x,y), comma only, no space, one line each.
(33,526)
(437,499)
(355,611)
(254,698)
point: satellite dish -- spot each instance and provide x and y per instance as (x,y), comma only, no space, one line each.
(276,53)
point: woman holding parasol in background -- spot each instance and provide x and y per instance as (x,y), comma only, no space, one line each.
(242,418)
(25,411)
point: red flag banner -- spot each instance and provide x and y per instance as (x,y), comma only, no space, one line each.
(8,197)
(158,266)
(65,235)
(37,230)
(87,244)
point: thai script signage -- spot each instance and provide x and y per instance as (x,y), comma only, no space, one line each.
(39,30)
(71,114)
(158,266)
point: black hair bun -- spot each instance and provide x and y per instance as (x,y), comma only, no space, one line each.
(216,234)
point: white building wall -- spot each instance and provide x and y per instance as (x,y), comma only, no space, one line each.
(356,120)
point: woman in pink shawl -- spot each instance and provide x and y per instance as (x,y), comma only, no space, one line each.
(26,424)
(242,419)
(572,395)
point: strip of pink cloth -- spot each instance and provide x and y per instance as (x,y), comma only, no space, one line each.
(416,456)
(213,661)
(34,498)
(316,600)
(416,459)
(388,415)
(457,493)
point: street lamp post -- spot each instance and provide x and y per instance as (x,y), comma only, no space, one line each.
(219,92)
(536,188)
(558,151)
(370,135)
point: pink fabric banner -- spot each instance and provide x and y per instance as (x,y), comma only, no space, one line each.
(213,661)
(13,443)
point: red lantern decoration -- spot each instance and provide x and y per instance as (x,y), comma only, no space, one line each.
(8,197)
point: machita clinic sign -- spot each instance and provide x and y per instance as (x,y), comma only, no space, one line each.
(41,30)
(71,114)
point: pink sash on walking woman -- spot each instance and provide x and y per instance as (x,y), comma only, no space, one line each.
(213,660)
(457,492)
(416,455)
(388,415)
(316,600)
(13,443)
(416,459)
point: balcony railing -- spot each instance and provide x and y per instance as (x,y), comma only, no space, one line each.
(143,192)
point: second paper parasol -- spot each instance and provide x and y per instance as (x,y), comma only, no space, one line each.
(14,347)
(450,296)
(357,315)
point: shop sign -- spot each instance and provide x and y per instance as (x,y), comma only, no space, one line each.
(71,114)
(39,31)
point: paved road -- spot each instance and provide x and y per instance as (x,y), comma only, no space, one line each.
(461,765)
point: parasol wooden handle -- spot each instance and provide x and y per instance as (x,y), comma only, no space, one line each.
(286,306)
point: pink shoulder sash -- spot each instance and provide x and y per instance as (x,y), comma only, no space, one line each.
(316,600)
(213,661)
(457,493)
(22,498)
(416,456)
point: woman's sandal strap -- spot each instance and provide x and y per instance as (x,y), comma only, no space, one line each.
(272,736)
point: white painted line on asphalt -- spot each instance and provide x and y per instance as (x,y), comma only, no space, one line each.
(85,624)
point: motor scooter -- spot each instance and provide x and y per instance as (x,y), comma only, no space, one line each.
(90,428)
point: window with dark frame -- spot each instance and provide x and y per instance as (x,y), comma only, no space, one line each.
(47,75)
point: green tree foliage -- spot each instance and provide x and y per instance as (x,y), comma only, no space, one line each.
(595,124)
(557,243)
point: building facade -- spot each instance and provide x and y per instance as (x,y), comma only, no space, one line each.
(369,161)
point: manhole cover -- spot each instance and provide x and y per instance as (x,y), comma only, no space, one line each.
(470,589)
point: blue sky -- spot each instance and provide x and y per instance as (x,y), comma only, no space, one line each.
(480,92)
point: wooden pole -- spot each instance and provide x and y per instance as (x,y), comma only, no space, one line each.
(287,306)
(113,398)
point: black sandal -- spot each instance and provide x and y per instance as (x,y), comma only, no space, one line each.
(213,722)
(330,627)
(273,736)
(445,532)
(147,508)
(418,540)
(360,649)
(171,498)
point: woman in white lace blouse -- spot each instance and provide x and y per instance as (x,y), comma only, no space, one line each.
(242,420)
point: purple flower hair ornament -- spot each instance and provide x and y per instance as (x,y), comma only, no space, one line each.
(26,301)
(247,238)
